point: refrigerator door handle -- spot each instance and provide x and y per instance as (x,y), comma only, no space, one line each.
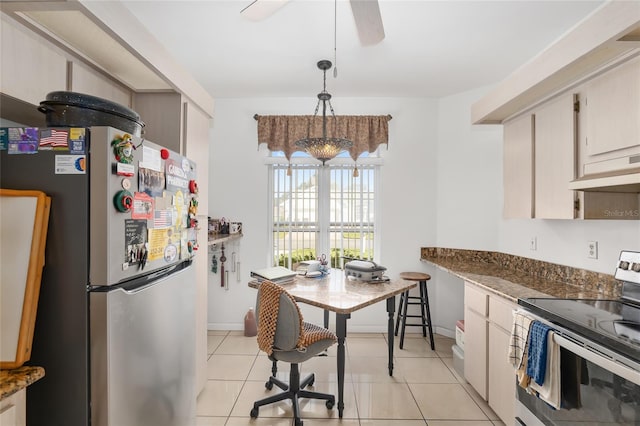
(156,275)
(150,280)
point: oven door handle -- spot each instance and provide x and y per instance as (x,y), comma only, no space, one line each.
(612,366)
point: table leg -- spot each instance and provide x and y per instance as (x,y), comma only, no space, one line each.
(391,307)
(341,332)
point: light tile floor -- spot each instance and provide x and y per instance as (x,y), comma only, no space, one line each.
(424,389)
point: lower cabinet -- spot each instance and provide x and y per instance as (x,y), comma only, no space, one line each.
(475,339)
(487,323)
(501,377)
(13,409)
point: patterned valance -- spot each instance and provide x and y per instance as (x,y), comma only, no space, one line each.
(280,132)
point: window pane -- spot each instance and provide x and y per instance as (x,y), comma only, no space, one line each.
(351,214)
(295,224)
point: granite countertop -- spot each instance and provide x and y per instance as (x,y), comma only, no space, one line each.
(12,381)
(514,277)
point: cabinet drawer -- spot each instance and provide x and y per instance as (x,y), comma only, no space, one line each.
(501,312)
(475,299)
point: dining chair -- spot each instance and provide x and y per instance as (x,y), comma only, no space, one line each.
(284,336)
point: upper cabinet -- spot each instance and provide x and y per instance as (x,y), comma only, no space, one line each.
(539,161)
(555,142)
(85,79)
(106,35)
(612,109)
(30,67)
(582,98)
(610,141)
(164,118)
(518,167)
(605,36)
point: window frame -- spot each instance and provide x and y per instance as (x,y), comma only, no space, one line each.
(324,179)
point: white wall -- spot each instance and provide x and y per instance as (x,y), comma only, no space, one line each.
(441,186)
(238,191)
(565,241)
(469,197)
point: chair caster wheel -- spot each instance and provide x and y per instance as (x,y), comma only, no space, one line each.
(268,385)
(254,413)
(330,404)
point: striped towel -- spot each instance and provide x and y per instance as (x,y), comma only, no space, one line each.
(519,337)
(537,352)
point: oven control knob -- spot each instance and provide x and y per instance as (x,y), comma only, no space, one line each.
(624,265)
(635,267)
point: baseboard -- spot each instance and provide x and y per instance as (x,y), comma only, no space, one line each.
(350,329)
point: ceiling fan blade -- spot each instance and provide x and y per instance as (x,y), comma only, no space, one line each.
(262,9)
(366,14)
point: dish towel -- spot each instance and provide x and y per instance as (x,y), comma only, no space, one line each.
(549,390)
(519,337)
(537,352)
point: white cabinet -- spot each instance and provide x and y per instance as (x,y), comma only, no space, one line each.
(612,108)
(196,137)
(539,162)
(30,66)
(555,163)
(487,322)
(163,116)
(475,348)
(518,167)
(91,82)
(475,338)
(610,121)
(13,409)
(502,384)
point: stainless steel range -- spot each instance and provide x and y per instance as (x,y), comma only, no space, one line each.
(604,336)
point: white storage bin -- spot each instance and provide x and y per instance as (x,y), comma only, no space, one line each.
(458,360)
(460,334)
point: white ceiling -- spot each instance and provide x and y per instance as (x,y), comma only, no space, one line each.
(431,49)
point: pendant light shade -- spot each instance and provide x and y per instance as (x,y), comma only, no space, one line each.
(324,148)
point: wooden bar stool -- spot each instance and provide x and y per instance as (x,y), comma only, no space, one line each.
(422,300)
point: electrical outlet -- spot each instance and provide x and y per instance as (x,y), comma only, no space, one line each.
(533,243)
(592,249)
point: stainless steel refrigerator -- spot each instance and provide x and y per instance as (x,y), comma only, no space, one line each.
(115,328)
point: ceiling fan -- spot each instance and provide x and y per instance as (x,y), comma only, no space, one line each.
(366,14)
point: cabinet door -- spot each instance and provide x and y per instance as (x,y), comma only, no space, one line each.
(196,140)
(13,409)
(612,109)
(163,116)
(555,164)
(30,67)
(475,350)
(91,82)
(518,167)
(502,382)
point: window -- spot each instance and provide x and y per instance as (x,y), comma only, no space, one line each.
(322,210)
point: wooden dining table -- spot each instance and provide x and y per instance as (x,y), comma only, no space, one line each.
(343,295)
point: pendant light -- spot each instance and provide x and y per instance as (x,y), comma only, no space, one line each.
(324,148)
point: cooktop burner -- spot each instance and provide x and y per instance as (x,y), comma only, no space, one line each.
(627,330)
(614,323)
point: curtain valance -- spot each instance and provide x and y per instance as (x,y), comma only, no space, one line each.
(280,132)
